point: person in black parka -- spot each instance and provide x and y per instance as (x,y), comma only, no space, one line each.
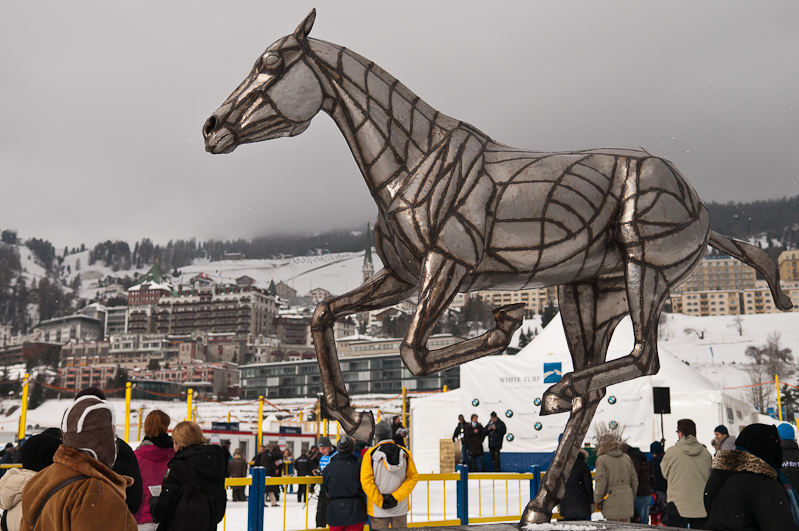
(475,434)
(193,496)
(271,462)
(341,482)
(578,501)
(646,478)
(495,430)
(303,465)
(744,491)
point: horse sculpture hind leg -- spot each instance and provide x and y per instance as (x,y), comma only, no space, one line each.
(590,313)
(658,210)
(383,289)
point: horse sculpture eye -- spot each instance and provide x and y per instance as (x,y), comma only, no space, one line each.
(270,62)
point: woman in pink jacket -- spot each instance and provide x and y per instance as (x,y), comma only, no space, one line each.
(153,455)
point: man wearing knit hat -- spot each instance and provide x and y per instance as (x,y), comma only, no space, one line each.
(790,453)
(723,438)
(80,476)
(326,449)
(388,476)
(341,483)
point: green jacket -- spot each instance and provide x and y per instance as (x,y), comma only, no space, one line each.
(616,482)
(686,467)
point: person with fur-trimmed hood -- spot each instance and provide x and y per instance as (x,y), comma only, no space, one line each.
(388,476)
(616,481)
(79,490)
(746,489)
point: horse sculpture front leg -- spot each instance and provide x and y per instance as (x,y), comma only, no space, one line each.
(441,278)
(383,289)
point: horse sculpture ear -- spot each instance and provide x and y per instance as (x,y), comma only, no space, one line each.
(304,28)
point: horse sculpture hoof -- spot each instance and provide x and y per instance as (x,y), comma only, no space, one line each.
(534,516)
(552,404)
(365,428)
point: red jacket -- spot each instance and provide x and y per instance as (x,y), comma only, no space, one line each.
(153,462)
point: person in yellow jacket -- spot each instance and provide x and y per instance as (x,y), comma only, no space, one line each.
(388,476)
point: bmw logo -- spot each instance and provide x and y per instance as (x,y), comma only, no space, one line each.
(537,401)
(509,437)
(611,400)
(509,413)
(613,424)
(538,426)
(475,402)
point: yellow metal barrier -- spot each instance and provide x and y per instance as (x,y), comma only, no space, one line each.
(513,484)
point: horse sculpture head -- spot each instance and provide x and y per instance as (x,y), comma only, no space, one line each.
(279,97)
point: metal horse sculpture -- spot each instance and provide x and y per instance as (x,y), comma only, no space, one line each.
(614,229)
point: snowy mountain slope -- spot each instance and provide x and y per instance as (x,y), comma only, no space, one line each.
(337,273)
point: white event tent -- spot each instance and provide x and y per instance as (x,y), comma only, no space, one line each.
(511,386)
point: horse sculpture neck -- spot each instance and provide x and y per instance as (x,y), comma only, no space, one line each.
(389,129)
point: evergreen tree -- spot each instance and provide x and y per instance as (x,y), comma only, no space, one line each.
(523,339)
(549,313)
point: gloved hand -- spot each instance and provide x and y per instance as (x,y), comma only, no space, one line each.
(389,502)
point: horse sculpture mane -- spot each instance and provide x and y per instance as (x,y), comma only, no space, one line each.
(614,229)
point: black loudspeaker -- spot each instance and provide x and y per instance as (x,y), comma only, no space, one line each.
(662,400)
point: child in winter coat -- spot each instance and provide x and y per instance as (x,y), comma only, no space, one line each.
(153,456)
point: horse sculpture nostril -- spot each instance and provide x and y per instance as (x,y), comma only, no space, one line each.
(209,126)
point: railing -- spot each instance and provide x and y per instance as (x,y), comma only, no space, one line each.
(462,482)
(465,486)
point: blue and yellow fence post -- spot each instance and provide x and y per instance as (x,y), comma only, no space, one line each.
(189,394)
(463,494)
(255,508)
(535,470)
(127,412)
(24,409)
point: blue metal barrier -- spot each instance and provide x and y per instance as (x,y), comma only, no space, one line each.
(463,494)
(535,470)
(255,513)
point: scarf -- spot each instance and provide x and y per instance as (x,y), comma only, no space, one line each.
(785,484)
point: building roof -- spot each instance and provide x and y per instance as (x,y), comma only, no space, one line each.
(154,274)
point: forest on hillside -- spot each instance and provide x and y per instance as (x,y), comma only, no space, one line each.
(775,220)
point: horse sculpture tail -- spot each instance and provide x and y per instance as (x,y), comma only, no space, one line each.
(758,259)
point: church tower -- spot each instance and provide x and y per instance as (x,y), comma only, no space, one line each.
(368,268)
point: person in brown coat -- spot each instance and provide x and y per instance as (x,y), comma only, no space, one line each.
(95,499)
(616,481)
(237,468)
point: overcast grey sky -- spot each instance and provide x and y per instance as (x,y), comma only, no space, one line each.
(102,102)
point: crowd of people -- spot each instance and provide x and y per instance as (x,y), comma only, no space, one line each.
(81,476)
(747,485)
(176,482)
(472,435)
